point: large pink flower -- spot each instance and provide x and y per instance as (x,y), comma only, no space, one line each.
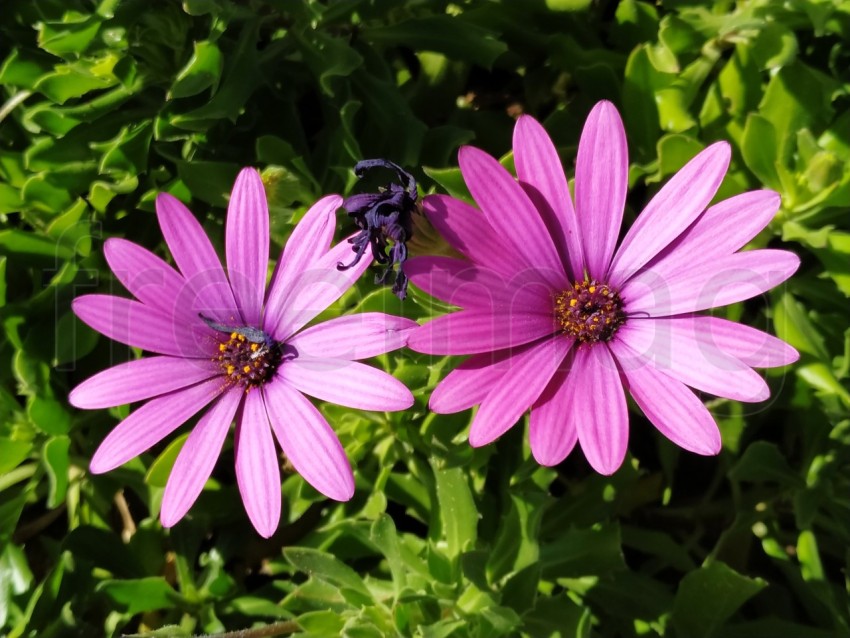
(227,341)
(560,320)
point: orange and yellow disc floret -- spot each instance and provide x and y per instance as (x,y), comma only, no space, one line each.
(589,311)
(247,362)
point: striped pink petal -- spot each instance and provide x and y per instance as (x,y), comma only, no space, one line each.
(679,202)
(151,423)
(310,239)
(602,179)
(470,382)
(461,283)
(509,399)
(673,409)
(672,346)
(308,441)
(257,466)
(599,408)
(139,380)
(539,171)
(198,457)
(314,290)
(511,213)
(196,258)
(723,281)
(347,383)
(552,434)
(474,331)
(135,324)
(753,347)
(247,243)
(718,232)
(149,278)
(358,336)
(467,230)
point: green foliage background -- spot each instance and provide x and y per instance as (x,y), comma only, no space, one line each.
(107,103)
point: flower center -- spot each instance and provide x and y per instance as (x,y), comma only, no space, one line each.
(247,362)
(589,311)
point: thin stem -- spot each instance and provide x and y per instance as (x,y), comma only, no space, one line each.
(275,629)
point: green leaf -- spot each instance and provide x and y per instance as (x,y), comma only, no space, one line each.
(583,552)
(454,36)
(458,514)
(160,469)
(209,181)
(775,46)
(56,462)
(451,180)
(763,462)
(759,149)
(201,72)
(76,79)
(385,537)
(328,58)
(516,545)
(49,415)
(140,595)
(13,453)
(61,38)
(708,597)
(326,567)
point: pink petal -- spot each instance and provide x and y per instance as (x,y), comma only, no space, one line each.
(247,243)
(673,409)
(467,230)
(753,347)
(257,466)
(720,282)
(541,174)
(672,346)
(151,423)
(552,435)
(348,383)
(140,326)
(679,202)
(308,441)
(196,258)
(599,408)
(197,458)
(461,283)
(470,382)
(474,331)
(314,289)
(310,239)
(149,278)
(511,213)
(530,372)
(719,231)
(139,380)
(602,178)
(357,336)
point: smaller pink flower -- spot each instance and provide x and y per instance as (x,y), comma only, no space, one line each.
(225,341)
(560,320)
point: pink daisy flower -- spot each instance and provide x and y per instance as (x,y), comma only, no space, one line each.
(225,341)
(560,320)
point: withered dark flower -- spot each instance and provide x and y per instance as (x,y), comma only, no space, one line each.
(385,222)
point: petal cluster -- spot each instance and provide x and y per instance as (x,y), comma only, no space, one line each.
(179,315)
(530,248)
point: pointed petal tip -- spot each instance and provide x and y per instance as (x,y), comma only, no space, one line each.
(169,519)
